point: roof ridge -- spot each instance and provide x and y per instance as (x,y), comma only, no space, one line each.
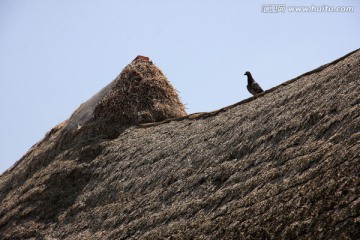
(200,115)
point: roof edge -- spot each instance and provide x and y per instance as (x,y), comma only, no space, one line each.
(200,115)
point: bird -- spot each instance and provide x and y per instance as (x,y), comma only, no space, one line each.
(253,87)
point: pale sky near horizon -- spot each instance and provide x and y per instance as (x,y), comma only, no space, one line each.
(55,54)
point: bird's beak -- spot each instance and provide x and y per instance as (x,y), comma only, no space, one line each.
(244,73)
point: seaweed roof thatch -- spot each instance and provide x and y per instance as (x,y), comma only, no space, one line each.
(282,165)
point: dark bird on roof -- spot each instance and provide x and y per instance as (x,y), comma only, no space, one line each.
(253,87)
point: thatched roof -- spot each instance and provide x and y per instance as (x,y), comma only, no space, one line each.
(283,165)
(140,94)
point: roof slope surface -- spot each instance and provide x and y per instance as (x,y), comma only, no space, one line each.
(284,164)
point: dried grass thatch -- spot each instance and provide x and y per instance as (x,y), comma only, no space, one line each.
(282,165)
(141,94)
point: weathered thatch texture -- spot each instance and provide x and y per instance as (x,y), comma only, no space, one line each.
(284,165)
(141,94)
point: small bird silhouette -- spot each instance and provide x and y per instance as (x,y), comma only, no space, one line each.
(253,87)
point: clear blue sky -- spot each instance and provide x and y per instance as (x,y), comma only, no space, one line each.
(54,55)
